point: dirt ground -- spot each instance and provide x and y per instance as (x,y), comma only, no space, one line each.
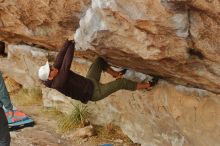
(44,133)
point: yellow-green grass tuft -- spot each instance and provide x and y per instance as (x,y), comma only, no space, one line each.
(77,118)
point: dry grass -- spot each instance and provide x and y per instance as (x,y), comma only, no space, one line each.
(110,131)
(52,112)
(12,85)
(25,97)
(77,118)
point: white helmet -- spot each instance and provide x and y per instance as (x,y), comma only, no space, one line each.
(44,71)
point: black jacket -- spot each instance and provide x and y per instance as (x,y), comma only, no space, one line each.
(68,82)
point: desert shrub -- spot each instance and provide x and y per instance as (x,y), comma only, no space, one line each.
(77,118)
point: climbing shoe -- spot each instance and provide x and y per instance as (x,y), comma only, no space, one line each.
(123,71)
(154,81)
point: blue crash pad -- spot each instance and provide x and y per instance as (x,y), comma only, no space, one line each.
(19,120)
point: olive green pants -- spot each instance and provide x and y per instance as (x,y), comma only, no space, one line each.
(103,90)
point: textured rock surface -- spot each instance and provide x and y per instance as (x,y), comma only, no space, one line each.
(150,36)
(42,22)
(23,62)
(85,132)
(178,40)
(167,115)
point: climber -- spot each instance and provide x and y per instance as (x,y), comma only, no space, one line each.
(2,49)
(61,78)
(4,100)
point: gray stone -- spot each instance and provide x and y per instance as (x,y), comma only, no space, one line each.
(82,132)
(22,64)
(166,115)
(164,38)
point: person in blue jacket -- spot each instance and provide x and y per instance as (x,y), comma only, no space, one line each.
(6,102)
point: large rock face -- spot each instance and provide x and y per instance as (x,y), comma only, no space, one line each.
(178,40)
(23,62)
(168,115)
(46,23)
